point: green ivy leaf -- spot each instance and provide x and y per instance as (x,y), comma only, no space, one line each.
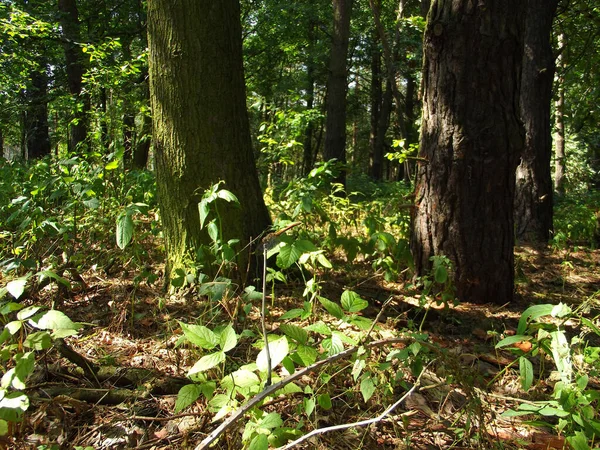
(187,395)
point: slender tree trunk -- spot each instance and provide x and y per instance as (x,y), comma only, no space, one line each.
(382,127)
(559,118)
(533,194)
(376,100)
(200,125)
(307,160)
(335,136)
(69,22)
(36,118)
(471,140)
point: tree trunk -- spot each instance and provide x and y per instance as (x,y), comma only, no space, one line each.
(559,118)
(36,117)
(376,95)
(307,159)
(69,22)
(533,193)
(471,140)
(382,127)
(200,125)
(335,135)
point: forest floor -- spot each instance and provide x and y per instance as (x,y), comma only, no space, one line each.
(458,404)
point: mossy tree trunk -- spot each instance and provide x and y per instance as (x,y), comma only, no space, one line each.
(471,141)
(200,124)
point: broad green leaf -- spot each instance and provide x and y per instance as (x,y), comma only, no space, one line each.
(308,355)
(322,259)
(242,378)
(13,405)
(92,203)
(294,332)
(367,388)
(200,335)
(345,338)
(278,350)
(579,441)
(39,340)
(56,320)
(357,368)
(3,427)
(213,230)
(560,310)
(526,373)
(533,313)
(510,340)
(352,302)
(14,326)
(227,196)
(112,165)
(9,307)
(207,362)
(309,406)
(561,353)
(26,313)
(319,327)
(333,345)
(124,230)
(291,314)
(441,274)
(270,421)
(17,376)
(228,339)
(16,287)
(332,308)
(288,255)
(187,395)
(324,401)
(259,442)
(54,276)
(203,210)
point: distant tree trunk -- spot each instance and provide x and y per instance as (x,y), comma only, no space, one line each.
(200,124)
(382,127)
(471,140)
(335,135)
(412,132)
(559,119)
(376,95)
(143,143)
(69,22)
(533,193)
(307,161)
(36,117)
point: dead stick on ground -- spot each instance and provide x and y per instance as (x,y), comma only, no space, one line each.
(361,423)
(270,390)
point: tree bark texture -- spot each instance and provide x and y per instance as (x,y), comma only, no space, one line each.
(559,119)
(36,118)
(69,22)
(471,140)
(200,124)
(533,194)
(335,134)
(376,95)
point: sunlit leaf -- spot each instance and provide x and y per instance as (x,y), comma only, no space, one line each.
(187,395)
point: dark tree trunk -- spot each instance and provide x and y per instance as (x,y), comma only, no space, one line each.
(533,193)
(69,22)
(412,132)
(376,100)
(382,127)
(142,147)
(36,117)
(470,145)
(335,135)
(559,119)
(307,158)
(200,125)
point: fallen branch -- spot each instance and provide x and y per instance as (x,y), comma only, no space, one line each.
(361,423)
(268,391)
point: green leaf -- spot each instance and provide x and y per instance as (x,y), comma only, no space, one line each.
(259,442)
(187,395)
(288,255)
(332,308)
(308,355)
(112,165)
(39,340)
(213,230)
(533,313)
(352,302)
(56,320)
(54,276)
(227,196)
(203,210)
(124,230)
(441,274)
(319,327)
(16,287)
(367,388)
(200,335)
(291,314)
(510,340)
(228,339)
(278,350)
(242,378)
(309,406)
(526,373)
(207,362)
(579,441)
(3,427)
(357,368)
(26,313)
(270,421)
(13,405)
(560,310)
(14,326)
(333,345)
(294,332)
(17,376)
(324,401)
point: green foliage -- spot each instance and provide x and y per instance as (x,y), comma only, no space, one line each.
(577,220)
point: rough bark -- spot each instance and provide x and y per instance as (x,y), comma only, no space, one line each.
(335,135)
(36,118)
(200,124)
(533,194)
(69,22)
(559,119)
(471,140)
